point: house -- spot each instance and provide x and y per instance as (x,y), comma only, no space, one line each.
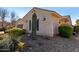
(43,22)
(19,23)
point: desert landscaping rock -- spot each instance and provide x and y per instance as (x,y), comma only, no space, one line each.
(56,44)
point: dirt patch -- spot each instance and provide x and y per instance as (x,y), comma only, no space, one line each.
(55,44)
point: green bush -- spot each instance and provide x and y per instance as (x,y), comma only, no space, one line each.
(76,29)
(1,38)
(16,32)
(65,31)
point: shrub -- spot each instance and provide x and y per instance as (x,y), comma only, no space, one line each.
(1,38)
(76,29)
(65,31)
(2,29)
(16,32)
(13,45)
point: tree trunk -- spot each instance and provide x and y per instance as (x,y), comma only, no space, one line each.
(3,26)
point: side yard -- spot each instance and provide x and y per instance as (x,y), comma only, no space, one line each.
(17,39)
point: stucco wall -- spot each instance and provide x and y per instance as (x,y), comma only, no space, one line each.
(20,22)
(45,27)
(49,27)
(55,24)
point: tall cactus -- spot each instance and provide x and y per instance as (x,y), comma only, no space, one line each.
(34,24)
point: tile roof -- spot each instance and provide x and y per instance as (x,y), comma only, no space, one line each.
(43,9)
(46,10)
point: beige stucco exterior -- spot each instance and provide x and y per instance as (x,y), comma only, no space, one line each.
(20,22)
(49,27)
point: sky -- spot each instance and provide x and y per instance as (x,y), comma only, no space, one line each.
(72,11)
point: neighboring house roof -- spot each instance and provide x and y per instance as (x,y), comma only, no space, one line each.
(19,19)
(68,16)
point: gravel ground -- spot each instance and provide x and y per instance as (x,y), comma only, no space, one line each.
(55,44)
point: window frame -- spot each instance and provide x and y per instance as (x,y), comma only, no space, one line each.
(29,24)
(37,24)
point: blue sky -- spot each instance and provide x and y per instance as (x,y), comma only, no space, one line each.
(72,11)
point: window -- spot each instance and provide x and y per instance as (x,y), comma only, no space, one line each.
(29,24)
(37,24)
(44,19)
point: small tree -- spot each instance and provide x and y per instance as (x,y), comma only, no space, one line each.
(13,17)
(77,22)
(3,14)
